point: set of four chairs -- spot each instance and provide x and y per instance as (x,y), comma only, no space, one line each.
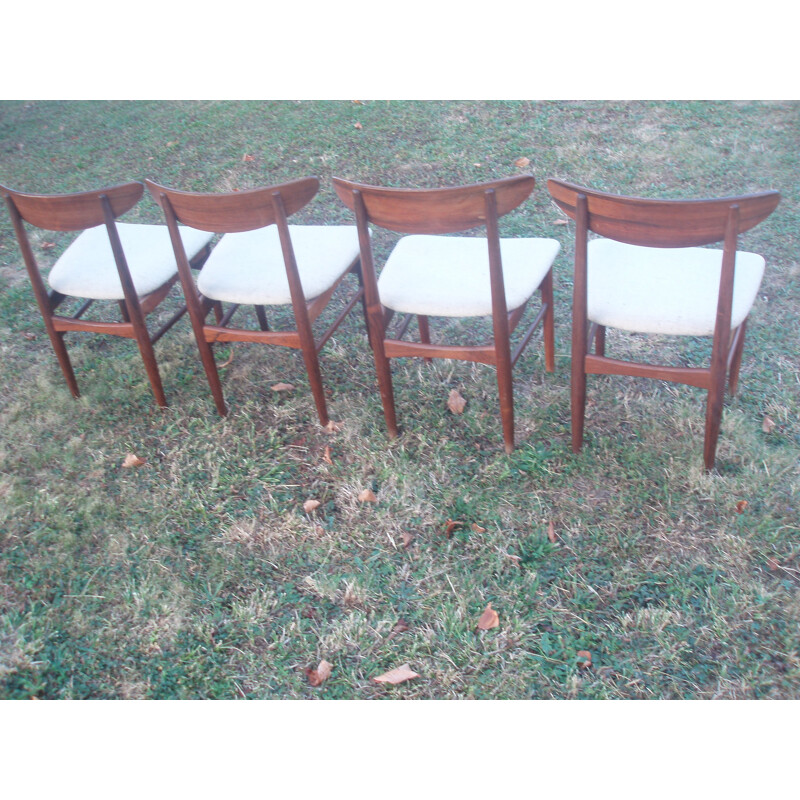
(646,269)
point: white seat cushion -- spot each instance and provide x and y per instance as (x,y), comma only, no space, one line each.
(665,290)
(448,276)
(248,267)
(87,267)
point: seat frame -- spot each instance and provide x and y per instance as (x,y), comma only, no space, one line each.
(237,212)
(659,223)
(79,211)
(440,211)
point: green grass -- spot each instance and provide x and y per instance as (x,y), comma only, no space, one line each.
(199,575)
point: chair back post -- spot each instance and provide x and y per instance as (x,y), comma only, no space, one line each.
(497,284)
(375,315)
(128,290)
(722,325)
(295,286)
(182,262)
(31,265)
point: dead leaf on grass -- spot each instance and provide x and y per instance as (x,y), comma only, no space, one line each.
(475,528)
(585,659)
(316,677)
(450,526)
(132,460)
(407,539)
(367,496)
(47,245)
(394,676)
(310,505)
(282,387)
(561,222)
(326,456)
(551,532)
(227,361)
(455,402)
(522,162)
(741,506)
(247,157)
(332,427)
(358,126)
(489,619)
(768,425)
(772,564)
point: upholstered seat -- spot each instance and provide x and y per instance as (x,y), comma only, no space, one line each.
(643,289)
(249,268)
(448,276)
(88,269)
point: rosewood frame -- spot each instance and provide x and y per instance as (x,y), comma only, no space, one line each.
(437,211)
(659,223)
(244,211)
(79,211)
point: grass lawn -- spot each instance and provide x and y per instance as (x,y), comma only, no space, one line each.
(200,575)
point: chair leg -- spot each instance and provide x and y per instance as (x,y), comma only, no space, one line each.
(57,340)
(548,328)
(716,396)
(262,318)
(736,363)
(505,386)
(315,379)
(424,333)
(212,374)
(600,340)
(150,365)
(578,385)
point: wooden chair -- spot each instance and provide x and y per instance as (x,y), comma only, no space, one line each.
(452,276)
(131,265)
(262,261)
(650,274)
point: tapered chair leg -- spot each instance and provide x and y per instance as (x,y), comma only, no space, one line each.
(716,396)
(600,340)
(315,380)
(150,365)
(736,362)
(57,340)
(424,333)
(505,387)
(212,374)
(578,386)
(548,328)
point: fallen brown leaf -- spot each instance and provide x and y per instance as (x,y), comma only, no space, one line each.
(475,528)
(561,222)
(551,532)
(332,427)
(407,539)
(522,162)
(772,564)
(367,496)
(47,245)
(768,425)
(741,506)
(310,505)
(394,676)
(489,619)
(282,387)
(132,460)
(247,157)
(450,526)
(326,456)
(316,677)
(455,402)
(28,335)
(586,659)
(228,361)
(358,126)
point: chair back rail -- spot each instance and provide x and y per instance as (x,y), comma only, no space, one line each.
(75,211)
(662,223)
(235,212)
(447,210)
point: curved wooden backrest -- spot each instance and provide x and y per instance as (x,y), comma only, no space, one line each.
(449,210)
(663,223)
(233,212)
(76,211)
